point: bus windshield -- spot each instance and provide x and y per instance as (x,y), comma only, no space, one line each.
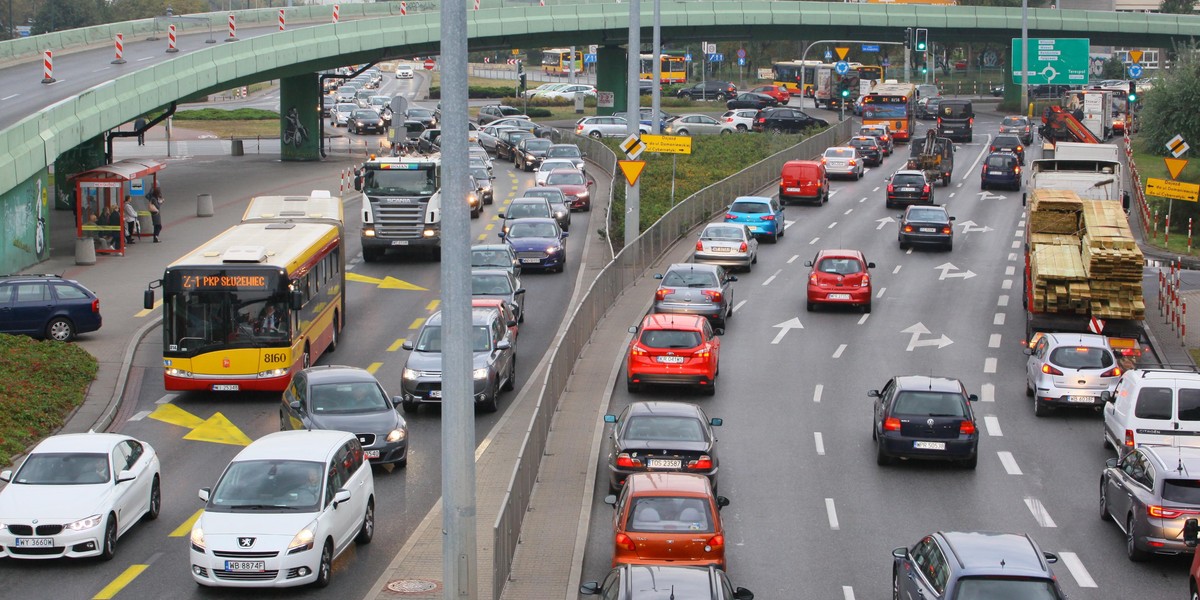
(204,320)
(397,182)
(884,109)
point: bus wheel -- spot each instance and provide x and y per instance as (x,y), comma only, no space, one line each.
(333,342)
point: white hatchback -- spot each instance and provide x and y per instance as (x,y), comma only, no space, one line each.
(404,72)
(283,510)
(739,120)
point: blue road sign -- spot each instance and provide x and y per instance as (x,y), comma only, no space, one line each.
(870,47)
(716,57)
(1135,71)
(589,59)
(741,61)
(828,55)
(885,62)
(687,57)
(741,53)
(842,67)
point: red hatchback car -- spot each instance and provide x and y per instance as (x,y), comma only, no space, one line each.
(840,277)
(674,349)
(668,518)
(777,92)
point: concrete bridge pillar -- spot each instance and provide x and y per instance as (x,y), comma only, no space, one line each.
(299,117)
(611,74)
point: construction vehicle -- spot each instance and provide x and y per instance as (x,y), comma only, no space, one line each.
(401,204)
(934,155)
(1058,125)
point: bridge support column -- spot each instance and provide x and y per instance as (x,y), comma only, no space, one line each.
(299,119)
(611,76)
(1012,91)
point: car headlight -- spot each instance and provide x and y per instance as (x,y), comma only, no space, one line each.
(396,435)
(408,373)
(551,249)
(481,373)
(85,524)
(360,123)
(198,538)
(303,540)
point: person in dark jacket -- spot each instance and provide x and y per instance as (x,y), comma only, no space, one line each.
(154,203)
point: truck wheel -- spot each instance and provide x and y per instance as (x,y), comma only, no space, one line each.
(436,254)
(371,254)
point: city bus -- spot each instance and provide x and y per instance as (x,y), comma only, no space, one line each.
(788,74)
(892,104)
(868,72)
(557,61)
(673,69)
(259,301)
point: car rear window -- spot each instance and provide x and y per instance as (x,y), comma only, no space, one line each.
(1153,403)
(1012,122)
(863,143)
(1081,357)
(980,588)
(661,513)
(670,338)
(839,152)
(917,180)
(68,292)
(655,428)
(722,233)
(955,110)
(1007,141)
(1001,161)
(753,208)
(840,266)
(693,279)
(927,215)
(1186,491)
(929,404)
(1189,404)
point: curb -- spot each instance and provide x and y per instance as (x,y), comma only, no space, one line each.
(114,403)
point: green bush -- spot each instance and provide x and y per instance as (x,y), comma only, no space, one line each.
(43,381)
(435,92)
(216,114)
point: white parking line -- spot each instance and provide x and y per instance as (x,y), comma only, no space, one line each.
(832,225)
(1039,512)
(1010,270)
(992,424)
(879,294)
(987,393)
(847,592)
(738,306)
(772,277)
(998,319)
(994,341)
(989,365)
(793,259)
(1078,571)
(1006,284)
(817,392)
(840,349)
(167,398)
(814,240)
(140,415)
(863,319)
(1002,300)
(1010,463)
(820,443)
(833,522)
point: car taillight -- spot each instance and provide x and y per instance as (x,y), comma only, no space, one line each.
(1017,170)
(966,428)
(699,245)
(853,162)
(728,119)
(744,247)
(908,228)
(993,149)
(1128,438)
(716,541)
(946,230)
(866,281)
(939,121)
(971,121)
(925,190)
(703,463)
(627,461)
(822,160)
(578,129)
(1020,149)
(96,305)
(662,293)
(624,541)
(985,169)
(812,278)
(890,188)
(636,350)
(1113,372)
(891,424)
(1050,370)
(769,218)
(1163,512)
(760,119)
(712,295)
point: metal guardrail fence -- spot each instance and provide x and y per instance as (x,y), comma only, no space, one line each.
(625,269)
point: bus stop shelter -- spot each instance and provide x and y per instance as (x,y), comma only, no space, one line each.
(101,195)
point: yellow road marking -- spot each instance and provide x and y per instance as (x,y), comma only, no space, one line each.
(169,413)
(146,311)
(433,304)
(482,237)
(396,345)
(489,227)
(120,582)
(374,367)
(219,430)
(417,323)
(387,283)
(186,528)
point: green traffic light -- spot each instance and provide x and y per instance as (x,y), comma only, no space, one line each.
(1133,97)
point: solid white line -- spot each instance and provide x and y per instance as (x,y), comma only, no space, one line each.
(101,69)
(814,240)
(147,58)
(772,277)
(1010,463)
(832,225)
(1078,571)
(992,424)
(738,306)
(896,270)
(140,415)
(8,97)
(1002,300)
(820,443)
(793,259)
(879,294)
(847,592)
(987,393)
(166,399)
(817,392)
(1039,512)
(998,319)
(1006,284)
(971,169)
(994,341)
(833,522)
(989,365)
(840,349)
(863,319)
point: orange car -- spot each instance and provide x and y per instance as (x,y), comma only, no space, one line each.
(668,518)
(676,349)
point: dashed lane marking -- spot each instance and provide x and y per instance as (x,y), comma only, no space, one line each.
(1002,300)
(10,97)
(1010,463)
(813,241)
(998,319)
(138,416)
(987,393)
(772,277)
(840,349)
(989,365)
(1082,578)
(992,424)
(396,345)
(167,399)
(817,392)
(849,210)
(832,225)
(863,318)
(896,270)
(793,259)
(1016,244)
(374,367)
(738,306)
(832,511)
(417,323)
(1006,284)
(820,443)
(847,592)
(1010,270)
(994,341)
(1039,512)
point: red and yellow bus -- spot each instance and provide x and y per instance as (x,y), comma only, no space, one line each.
(672,69)
(259,301)
(894,105)
(868,72)
(557,61)
(789,73)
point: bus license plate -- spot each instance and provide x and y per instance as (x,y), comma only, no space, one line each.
(245,566)
(399,242)
(929,445)
(225,387)
(35,542)
(435,393)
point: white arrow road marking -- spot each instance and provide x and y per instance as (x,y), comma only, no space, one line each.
(969,227)
(919,329)
(884,221)
(786,326)
(989,196)
(1039,512)
(945,268)
(787,223)
(1075,566)
(1010,463)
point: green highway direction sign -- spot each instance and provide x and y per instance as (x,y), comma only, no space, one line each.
(1053,60)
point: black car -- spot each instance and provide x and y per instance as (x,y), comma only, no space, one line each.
(658,436)
(530,152)
(1047,91)
(908,187)
(490,113)
(424,115)
(1001,168)
(429,141)
(506,145)
(347,399)
(974,564)
(709,90)
(782,119)
(751,100)
(47,306)
(868,148)
(650,582)
(926,225)
(365,119)
(918,416)
(1009,143)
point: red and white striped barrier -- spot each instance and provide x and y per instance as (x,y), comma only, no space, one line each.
(232,28)
(171,40)
(281,19)
(119,47)
(403,8)
(47,67)
(1172,307)
(335,13)
(476,4)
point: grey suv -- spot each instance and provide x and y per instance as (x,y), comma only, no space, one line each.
(347,399)
(974,564)
(494,361)
(1150,493)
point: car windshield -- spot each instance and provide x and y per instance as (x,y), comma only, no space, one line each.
(980,588)
(366,114)
(561,151)
(521,210)
(665,513)
(954,110)
(552,195)
(532,229)
(480,173)
(929,404)
(658,428)
(928,215)
(346,108)
(490,285)
(1081,357)
(347,398)
(538,144)
(279,485)
(871,144)
(490,258)
(516,136)
(431,339)
(400,182)
(690,278)
(572,178)
(509,111)
(878,109)
(419,113)
(752,208)
(839,266)
(670,338)
(61,468)
(722,233)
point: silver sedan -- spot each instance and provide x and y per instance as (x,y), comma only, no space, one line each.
(727,244)
(843,160)
(693,125)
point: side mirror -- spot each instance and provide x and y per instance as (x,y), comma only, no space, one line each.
(870,265)
(900,553)
(633,329)
(722,502)
(1106,396)
(716,422)
(731,278)
(125,475)
(610,418)
(591,588)
(519,292)
(808,263)
(873,394)
(1029,352)
(342,495)
(564,235)
(358,183)
(973,398)
(1111,463)
(6,475)
(1023,198)
(953,218)
(407,345)
(148,299)
(500,234)
(1191,532)
(296,300)
(204,492)
(611,500)
(658,276)
(501,215)
(1050,557)
(503,345)
(743,594)
(1125,200)
(294,405)
(718,331)
(511,324)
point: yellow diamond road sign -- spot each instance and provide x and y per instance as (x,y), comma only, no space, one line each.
(668,144)
(633,147)
(1176,190)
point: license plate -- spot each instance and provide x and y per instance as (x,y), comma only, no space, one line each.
(399,242)
(670,359)
(839,296)
(664,463)
(793,189)
(435,393)
(225,387)
(753,227)
(908,189)
(1082,399)
(42,542)
(371,453)
(245,566)
(530,261)
(929,445)
(719,249)
(927,229)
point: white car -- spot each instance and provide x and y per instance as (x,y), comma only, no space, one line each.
(1152,406)
(545,87)
(75,494)
(1069,370)
(404,72)
(340,115)
(844,161)
(738,120)
(568,92)
(548,165)
(283,510)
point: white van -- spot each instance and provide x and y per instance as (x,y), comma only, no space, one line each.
(404,72)
(1153,406)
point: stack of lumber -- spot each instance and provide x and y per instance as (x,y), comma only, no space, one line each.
(1055,211)
(1113,262)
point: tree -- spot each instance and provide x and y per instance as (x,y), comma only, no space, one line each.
(1177,7)
(57,15)
(1113,69)
(1161,117)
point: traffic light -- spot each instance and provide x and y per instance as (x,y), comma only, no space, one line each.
(844,89)
(521,78)
(520,75)
(1132,92)
(921,43)
(908,34)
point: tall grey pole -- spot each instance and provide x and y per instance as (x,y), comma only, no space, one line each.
(907,64)
(656,76)
(571,67)
(1024,54)
(633,205)
(459,565)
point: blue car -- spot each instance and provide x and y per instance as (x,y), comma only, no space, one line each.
(538,242)
(47,306)
(762,216)
(1001,169)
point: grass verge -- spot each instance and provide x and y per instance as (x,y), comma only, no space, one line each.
(43,382)
(1152,165)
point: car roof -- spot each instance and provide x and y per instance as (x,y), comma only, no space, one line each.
(937,207)
(80,442)
(668,321)
(668,484)
(692,267)
(551,220)
(479,314)
(1076,339)
(863,138)
(928,383)
(1184,460)
(840,253)
(759,199)
(501,247)
(909,172)
(302,444)
(985,552)
(664,407)
(337,373)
